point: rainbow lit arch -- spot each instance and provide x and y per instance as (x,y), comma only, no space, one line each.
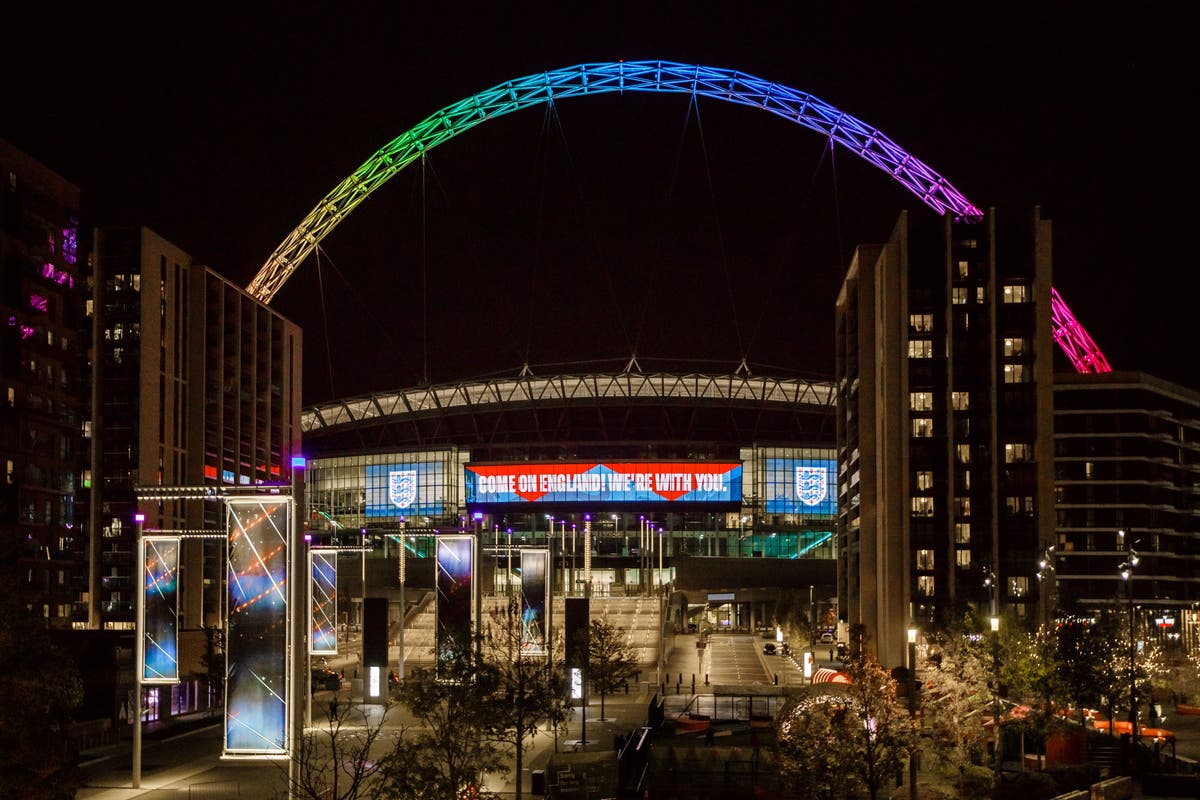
(644,76)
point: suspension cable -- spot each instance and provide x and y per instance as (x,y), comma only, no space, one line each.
(325,324)
(721,245)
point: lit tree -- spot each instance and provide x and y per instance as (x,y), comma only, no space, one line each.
(867,732)
(956,692)
(812,763)
(1088,669)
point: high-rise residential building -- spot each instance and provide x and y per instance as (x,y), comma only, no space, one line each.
(41,379)
(944,375)
(197,384)
(1127,459)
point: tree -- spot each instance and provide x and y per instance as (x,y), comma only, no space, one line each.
(1088,671)
(956,692)
(457,739)
(527,688)
(610,662)
(333,761)
(41,688)
(861,737)
(810,759)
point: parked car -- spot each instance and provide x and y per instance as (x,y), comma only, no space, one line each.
(327,679)
(827,638)
(769,649)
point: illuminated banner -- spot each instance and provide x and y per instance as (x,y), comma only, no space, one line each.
(804,486)
(406,490)
(256,668)
(591,482)
(455,594)
(322,613)
(535,612)
(158,648)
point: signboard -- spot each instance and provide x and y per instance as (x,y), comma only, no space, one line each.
(455,594)
(805,486)
(535,611)
(610,482)
(322,613)
(256,668)
(159,609)
(405,490)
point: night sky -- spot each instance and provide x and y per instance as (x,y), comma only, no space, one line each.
(691,235)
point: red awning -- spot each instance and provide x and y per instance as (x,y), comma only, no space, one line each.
(825,675)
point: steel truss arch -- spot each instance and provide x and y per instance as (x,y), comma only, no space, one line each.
(716,83)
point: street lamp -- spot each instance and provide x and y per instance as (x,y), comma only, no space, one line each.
(1126,572)
(995,623)
(912,708)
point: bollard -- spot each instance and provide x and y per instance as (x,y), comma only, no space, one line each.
(706,679)
(677,688)
(776,678)
(680,678)
(693,683)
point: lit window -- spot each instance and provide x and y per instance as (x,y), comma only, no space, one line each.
(924,479)
(962,453)
(1089,469)
(960,401)
(920,348)
(962,533)
(1015,452)
(920,401)
(964,268)
(922,427)
(963,558)
(1014,346)
(962,506)
(921,323)
(922,506)
(924,559)
(1015,294)
(980,295)
(969,244)
(925,585)
(1019,587)
(964,480)
(1016,373)
(958,295)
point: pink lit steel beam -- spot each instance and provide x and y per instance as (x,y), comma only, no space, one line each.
(1073,339)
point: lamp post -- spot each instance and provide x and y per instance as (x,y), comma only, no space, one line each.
(912,708)
(1131,561)
(995,622)
(402,567)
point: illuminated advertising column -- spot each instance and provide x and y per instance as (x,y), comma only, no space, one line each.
(159,608)
(535,610)
(256,646)
(322,612)
(455,594)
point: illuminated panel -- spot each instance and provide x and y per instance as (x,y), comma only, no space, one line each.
(322,614)
(256,711)
(159,557)
(455,593)
(398,490)
(592,482)
(535,611)
(805,486)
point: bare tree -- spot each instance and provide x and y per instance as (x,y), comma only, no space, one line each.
(610,661)
(528,689)
(334,759)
